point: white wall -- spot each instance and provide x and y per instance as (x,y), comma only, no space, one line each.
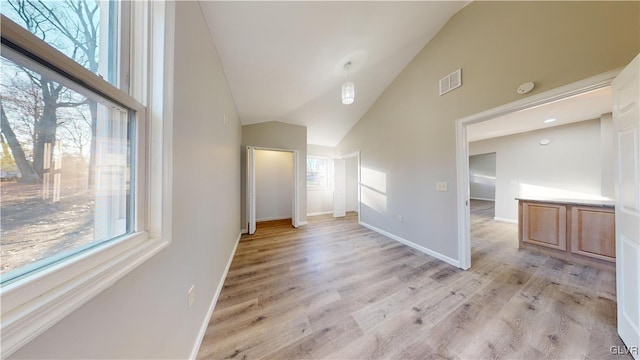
(274,185)
(482,176)
(606,148)
(320,201)
(145,315)
(569,167)
(407,138)
(351,185)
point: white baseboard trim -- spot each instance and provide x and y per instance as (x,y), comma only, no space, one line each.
(283,217)
(205,323)
(244,231)
(420,248)
(483,199)
(302,223)
(320,213)
(505,220)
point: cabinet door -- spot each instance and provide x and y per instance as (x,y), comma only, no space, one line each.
(593,233)
(545,225)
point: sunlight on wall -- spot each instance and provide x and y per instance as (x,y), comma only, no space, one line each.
(529,191)
(374,189)
(374,179)
(483,179)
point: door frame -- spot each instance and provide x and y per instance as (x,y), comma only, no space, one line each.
(462,146)
(295,216)
(355,154)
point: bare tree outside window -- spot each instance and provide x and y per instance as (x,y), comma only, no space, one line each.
(61,148)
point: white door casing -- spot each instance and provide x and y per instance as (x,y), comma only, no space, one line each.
(462,150)
(339,185)
(251,189)
(295,221)
(626,122)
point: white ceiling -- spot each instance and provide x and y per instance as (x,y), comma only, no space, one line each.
(582,107)
(284,60)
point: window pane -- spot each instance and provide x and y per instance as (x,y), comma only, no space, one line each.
(317,176)
(66,167)
(84,30)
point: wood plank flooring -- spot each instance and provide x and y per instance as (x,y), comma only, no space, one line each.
(336,290)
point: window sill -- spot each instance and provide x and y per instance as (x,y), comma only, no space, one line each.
(33,304)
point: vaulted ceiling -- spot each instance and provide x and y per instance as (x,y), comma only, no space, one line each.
(284,61)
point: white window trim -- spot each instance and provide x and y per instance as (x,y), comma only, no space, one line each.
(36,302)
(329,161)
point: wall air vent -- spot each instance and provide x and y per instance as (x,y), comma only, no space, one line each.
(450,82)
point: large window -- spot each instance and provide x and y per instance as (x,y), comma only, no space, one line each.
(66,167)
(83,199)
(67,151)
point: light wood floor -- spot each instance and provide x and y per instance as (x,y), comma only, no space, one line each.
(334,289)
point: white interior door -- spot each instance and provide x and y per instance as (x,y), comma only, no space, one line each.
(626,122)
(251,188)
(339,185)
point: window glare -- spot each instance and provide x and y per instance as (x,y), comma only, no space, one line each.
(317,172)
(65,169)
(85,31)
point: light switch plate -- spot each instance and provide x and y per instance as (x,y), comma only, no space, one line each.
(441,186)
(191,295)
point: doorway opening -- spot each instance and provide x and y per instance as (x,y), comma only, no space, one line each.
(346,187)
(272,184)
(482,203)
(463,152)
(482,176)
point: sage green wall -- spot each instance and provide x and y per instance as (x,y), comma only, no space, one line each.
(407,138)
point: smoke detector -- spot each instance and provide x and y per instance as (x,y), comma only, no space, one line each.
(525,88)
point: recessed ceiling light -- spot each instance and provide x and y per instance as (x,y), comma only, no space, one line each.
(550,121)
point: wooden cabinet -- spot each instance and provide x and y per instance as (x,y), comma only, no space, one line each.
(545,225)
(580,232)
(593,232)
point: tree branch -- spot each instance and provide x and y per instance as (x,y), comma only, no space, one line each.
(57,23)
(71,104)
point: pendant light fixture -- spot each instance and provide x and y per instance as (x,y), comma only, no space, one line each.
(348,88)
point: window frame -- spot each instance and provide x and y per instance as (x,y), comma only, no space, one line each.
(326,186)
(35,302)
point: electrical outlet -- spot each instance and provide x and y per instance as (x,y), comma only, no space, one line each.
(191,295)
(441,186)
(400,218)
(224,120)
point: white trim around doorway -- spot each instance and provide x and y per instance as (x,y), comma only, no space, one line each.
(356,154)
(462,146)
(296,192)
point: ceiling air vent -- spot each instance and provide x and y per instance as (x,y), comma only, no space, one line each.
(450,82)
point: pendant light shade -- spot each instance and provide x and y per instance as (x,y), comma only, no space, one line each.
(348,88)
(348,93)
